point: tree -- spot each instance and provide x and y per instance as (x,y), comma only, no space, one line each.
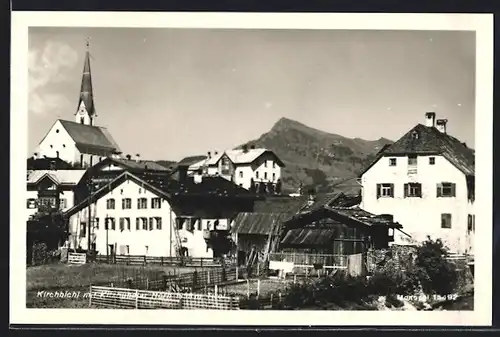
(270,188)
(278,186)
(262,188)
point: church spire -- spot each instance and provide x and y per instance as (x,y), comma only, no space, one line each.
(86,109)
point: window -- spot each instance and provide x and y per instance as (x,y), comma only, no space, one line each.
(392,161)
(151,223)
(155,203)
(144,223)
(179,223)
(257,174)
(112,221)
(385,190)
(96,223)
(83,229)
(265,175)
(413,190)
(81,159)
(412,160)
(158,223)
(414,135)
(432,160)
(471,223)
(274,164)
(142,203)
(137,223)
(126,203)
(63,203)
(64,145)
(208,225)
(198,223)
(241,174)
(274,176)
(57,130)
(122,224)
(82,120)
(445,190)
(446,220)
(110,204)
(31,203)
(265,163)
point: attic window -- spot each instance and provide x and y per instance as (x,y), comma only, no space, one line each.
(57,130)
(414,135)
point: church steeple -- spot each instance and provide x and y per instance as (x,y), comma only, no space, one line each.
(86,113)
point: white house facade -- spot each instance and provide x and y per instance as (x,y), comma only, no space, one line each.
(243,167)
(426,181)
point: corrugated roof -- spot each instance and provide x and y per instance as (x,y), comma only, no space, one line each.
(430,140)
(366,218)
(70,177)
(309,236)
(91,138)
(258,223)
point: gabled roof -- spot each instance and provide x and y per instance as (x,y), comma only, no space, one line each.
(146,165)
(91,139)
(258,223)
(280,204)
(237,157)
(428,141)
(60,177)
(188,161)
(166,187)
(309,236)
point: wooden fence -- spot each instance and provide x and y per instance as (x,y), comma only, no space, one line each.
(77,258)
(142,260)
(304,263)
(111,297)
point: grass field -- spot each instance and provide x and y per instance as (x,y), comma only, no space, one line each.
(78,278)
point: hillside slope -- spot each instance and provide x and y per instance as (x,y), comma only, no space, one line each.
(314,157)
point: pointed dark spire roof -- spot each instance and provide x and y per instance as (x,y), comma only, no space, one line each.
(86,94)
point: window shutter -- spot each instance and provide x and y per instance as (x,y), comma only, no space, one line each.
(139,203)
(419,190)
(453,189)
(137,223)
(378,190)
(438,190)
(392,190)
(406,190)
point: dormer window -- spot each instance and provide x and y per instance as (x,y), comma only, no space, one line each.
(414,135)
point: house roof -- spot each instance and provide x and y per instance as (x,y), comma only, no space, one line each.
(63,177)
(46,163)
(138,164)
(188,161)
(91,139)
(238,157)
(364,217)
(258,223)
(349,187)
(431,141)
(309,236)
(280,204)
(168,188)
(321,200)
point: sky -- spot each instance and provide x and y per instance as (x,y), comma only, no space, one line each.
(169,93)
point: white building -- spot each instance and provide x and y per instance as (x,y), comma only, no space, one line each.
(426,181)
(80,141)
(243,166)
(154,215)
(50,189)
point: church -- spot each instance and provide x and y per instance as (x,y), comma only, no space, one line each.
(79,142)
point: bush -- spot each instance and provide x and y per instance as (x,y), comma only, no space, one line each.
(436,274)
(42,255)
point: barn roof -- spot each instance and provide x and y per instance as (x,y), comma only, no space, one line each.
(258,223)
(309,236)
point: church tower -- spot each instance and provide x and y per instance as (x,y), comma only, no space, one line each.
(85,113)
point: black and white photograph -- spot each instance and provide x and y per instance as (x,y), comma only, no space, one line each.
(318,163)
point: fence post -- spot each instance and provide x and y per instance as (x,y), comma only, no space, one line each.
(237,276)
(248,288)
(294,278)
(162,261)
(147,283)
(258,288)
(258,269)
(201,262)
(272,304)
(208,276)
(90,296)
(137,298)
(145,260)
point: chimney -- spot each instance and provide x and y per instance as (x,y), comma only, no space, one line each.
(216,153)
(430,119)
(209,154)
(137,156)
(128,157)
(252,147)
(441,125)
(35,155)
(183,173)
(245,148)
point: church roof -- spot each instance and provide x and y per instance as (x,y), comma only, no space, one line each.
(91,139)
(86,93)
